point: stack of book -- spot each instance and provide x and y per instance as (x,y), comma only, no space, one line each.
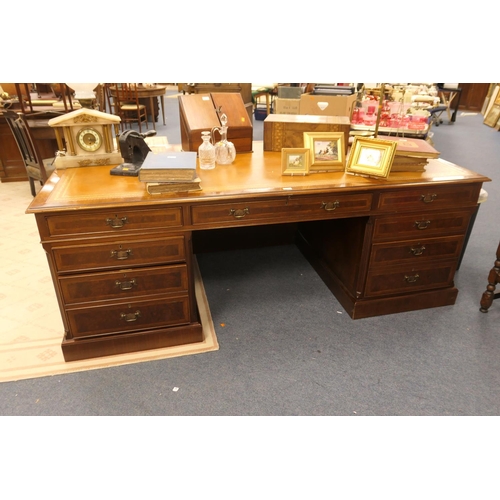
(170,172)
(412,155)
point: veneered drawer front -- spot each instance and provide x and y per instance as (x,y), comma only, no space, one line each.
(416,251)
(119,254)
(421,225)
(276,210)
(460,195)
(128,316)
(405,279)
(116,221)
(127,284)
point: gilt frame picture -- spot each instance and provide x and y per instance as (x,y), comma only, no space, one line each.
(326,151)
(295,161)
(371,157)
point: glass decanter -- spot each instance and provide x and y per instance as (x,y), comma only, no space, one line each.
(206,152)
(225,152)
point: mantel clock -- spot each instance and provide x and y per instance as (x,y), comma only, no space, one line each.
(86,137)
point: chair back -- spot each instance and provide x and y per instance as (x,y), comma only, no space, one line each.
(126,93)
(27,146)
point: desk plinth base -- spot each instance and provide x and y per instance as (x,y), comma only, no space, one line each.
(94,347)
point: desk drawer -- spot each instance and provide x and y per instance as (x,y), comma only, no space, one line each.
(128,316)
(126,284)
(432,197)
(409,278)
(416,251)
(116,221)
(421,225)
(282,209)
(119,254)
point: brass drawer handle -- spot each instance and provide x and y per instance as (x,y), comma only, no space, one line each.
(129,317)
(411,279)
(330,206)
(239,213)
(117,222)
(126,285)
(422,224)
(417,250)
(428,198)
(121,254)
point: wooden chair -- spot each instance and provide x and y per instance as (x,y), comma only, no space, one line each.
(127,105)
(493,279)
(38,169)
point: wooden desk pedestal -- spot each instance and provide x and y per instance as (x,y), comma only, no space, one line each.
(121,260)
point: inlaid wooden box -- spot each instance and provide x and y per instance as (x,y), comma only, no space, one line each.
(287,131)
(200,112)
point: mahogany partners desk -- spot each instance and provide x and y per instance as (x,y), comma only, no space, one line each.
(122,260)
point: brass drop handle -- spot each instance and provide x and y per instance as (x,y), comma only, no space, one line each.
(129,317)
(422,224)
(428,198)
(116,222)
(330,206)
(411,279)
(126,285)
(239,213)
(417,250)
(121,254)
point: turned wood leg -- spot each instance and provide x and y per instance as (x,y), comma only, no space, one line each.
(493,280)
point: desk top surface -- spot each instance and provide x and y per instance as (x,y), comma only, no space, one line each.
(252,175)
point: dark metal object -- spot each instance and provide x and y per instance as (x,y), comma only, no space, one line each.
(134,150)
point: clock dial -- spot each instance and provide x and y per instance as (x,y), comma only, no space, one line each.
(89,139)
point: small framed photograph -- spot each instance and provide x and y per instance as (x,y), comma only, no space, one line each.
(326,151)
(295,161)
(372,157)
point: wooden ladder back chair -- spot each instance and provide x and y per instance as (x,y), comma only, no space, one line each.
(37,169)
(127,105)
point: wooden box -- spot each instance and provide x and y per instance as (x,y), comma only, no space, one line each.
(200,112)
(287,131)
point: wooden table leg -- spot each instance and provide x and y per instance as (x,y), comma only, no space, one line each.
(493,280)
(152,104)
(162,99)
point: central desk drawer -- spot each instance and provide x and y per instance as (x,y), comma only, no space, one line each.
(126,317)
(126,284)
(116,221)
(421,225)
(285,209)
(119,254)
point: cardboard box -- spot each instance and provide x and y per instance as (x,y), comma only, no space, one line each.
(287,131)
(287,106)
(327,105)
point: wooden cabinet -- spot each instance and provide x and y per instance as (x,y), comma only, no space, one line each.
(122,260)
